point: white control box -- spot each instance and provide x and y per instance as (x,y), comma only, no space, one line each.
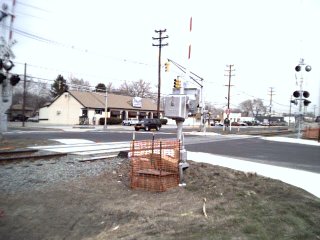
(175,106)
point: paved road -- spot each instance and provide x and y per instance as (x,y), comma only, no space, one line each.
(250,148)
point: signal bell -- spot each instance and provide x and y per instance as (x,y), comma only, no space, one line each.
(308,68)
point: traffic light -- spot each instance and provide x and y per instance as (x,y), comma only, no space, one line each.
(177,83)
(298,68)
(14,79)
(167,66)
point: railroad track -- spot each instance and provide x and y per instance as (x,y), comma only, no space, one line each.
(26,154)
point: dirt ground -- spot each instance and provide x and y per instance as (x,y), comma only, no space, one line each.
(238,206)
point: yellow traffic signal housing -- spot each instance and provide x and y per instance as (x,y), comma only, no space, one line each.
(167,66)
(177,83)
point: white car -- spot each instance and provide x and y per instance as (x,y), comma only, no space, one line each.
(130,121)
(33,119)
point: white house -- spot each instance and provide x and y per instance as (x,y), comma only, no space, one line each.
(71,105)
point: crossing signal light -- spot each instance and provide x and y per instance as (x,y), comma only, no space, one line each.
(167,66)
(298,68)
(306,94)
(177,83)
(296,94)
(295,102)
(14,79)
(306,102)
(2,77)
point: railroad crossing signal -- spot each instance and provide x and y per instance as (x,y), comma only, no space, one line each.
(305,95)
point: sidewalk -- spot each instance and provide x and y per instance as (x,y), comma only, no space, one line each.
(308,181)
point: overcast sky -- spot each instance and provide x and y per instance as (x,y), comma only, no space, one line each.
(111,41)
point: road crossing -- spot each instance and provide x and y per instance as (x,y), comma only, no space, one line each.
(86,149)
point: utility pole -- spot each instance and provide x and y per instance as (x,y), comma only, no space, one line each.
(270,106)
(230,70)
(160,45)
(290,112)
(24,93)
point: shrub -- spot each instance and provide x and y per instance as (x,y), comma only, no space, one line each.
(110,121)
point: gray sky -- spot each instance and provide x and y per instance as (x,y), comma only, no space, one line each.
(111,41)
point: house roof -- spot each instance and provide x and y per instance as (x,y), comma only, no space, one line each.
(97,100)
(20,107)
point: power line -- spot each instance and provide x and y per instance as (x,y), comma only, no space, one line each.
(73,47)
(32,6)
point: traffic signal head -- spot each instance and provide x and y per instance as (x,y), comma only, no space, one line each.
(167,66)
(306,102)
(14,79)
(296,94)
(177,83)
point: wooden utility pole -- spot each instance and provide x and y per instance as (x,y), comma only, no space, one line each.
(160,45)
(24,94)
(270,106)
(229,85)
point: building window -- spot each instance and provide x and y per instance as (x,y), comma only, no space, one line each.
(98,111)
(84,112)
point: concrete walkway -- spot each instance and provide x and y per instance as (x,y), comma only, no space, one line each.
(308,181)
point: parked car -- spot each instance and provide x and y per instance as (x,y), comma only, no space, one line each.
(147,124)
(19,118)
(33,119)
(217,124)
(130,121)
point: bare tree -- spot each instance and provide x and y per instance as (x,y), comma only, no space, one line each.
(253,107)
(258,107)
(136,89)
(37,94)
(246,107)
(109,87)
(78,84)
